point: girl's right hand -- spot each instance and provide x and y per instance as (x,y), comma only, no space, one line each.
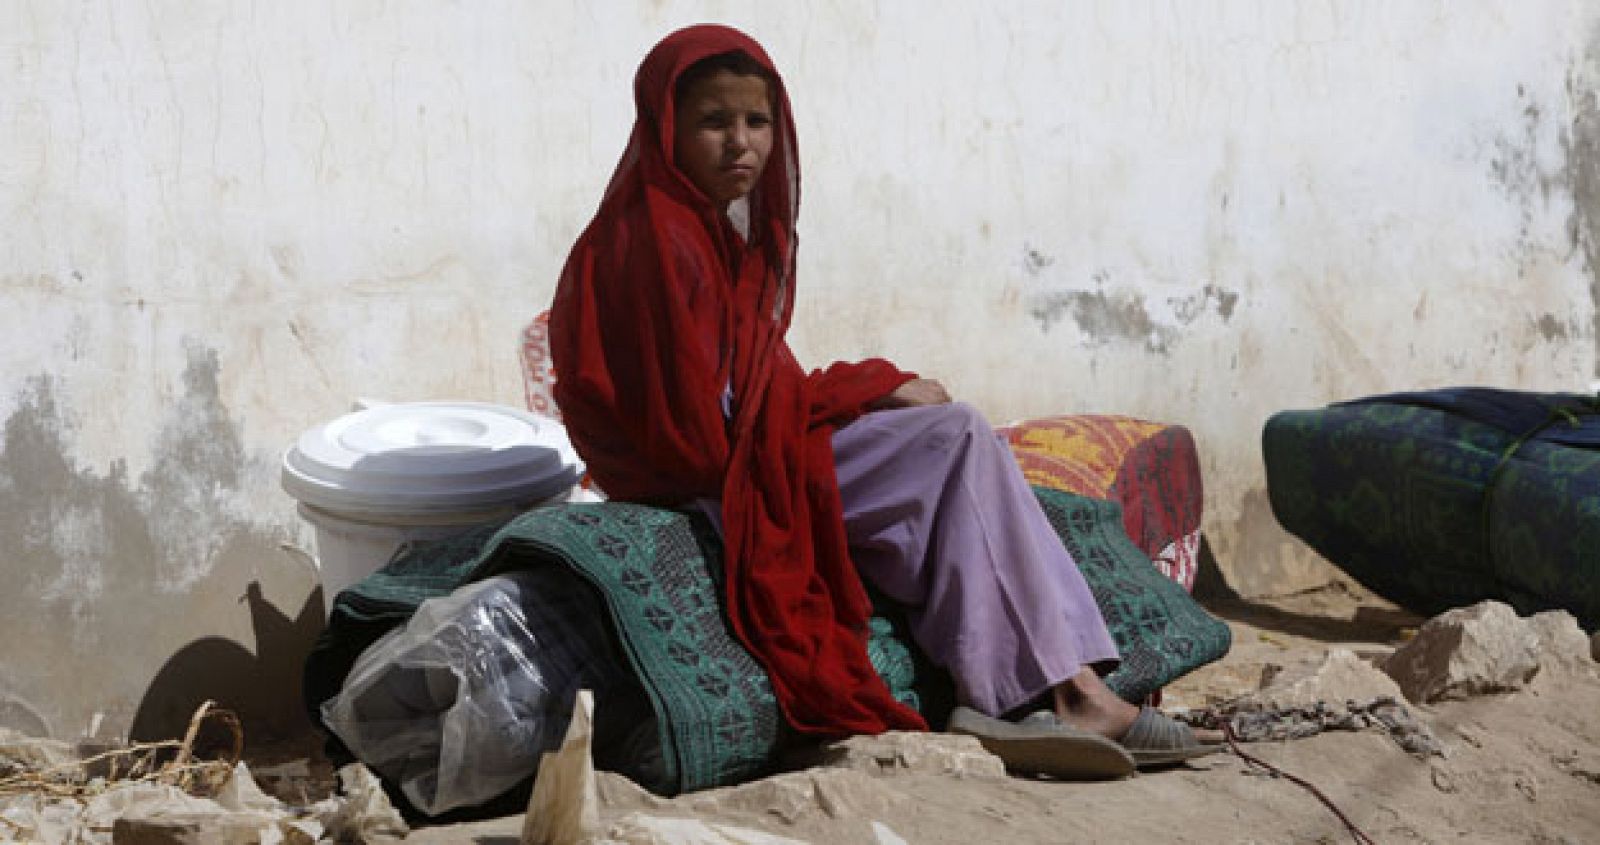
(915,393)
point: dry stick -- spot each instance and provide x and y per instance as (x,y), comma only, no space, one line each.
(180,765)
(187,748)
(30,782)
(143,764)
(49,780)
(179,770)
(125,752)
(1356,832)
(42,779)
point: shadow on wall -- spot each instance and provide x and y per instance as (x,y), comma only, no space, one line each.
(262,689)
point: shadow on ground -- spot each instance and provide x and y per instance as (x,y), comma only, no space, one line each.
(1377,625)
(1323,613)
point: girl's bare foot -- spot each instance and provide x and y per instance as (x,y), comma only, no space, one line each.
(1084,701)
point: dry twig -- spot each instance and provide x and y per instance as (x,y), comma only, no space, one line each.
(72,780)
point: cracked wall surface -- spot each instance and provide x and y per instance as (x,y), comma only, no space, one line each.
(222,223)
(1582,172)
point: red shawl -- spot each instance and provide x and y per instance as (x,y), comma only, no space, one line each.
(661,305)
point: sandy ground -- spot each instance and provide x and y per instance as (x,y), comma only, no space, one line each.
(1518,767)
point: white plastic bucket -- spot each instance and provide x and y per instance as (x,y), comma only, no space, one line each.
(371,481)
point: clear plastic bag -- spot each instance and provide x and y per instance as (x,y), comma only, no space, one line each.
(457,705)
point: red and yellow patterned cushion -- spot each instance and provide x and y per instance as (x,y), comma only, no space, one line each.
(538,373)
(1151,469)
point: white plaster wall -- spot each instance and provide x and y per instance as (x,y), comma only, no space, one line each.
(220,222)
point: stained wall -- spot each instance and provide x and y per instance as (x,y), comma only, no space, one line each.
(221,223)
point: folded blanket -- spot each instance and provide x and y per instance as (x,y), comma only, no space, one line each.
(658,573)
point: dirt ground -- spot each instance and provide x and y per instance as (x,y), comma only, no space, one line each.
(1517,767)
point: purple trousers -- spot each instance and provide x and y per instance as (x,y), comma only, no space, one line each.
(941,519)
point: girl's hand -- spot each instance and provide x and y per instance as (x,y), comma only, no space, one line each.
(914,394)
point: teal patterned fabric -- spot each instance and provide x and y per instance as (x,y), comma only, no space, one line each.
(1434,510)
(1160,631)
(659,574)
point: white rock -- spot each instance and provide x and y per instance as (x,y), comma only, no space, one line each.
(33,753)
(1465,652)
(361,812)
(790,798)
(886,835)
(159,814)
(216,828)
(795,796)
(1561,641)
(1339,677)
(645,829)
(242,793)
(1594,646)
(135,798)
(564,808)
(900,752)
(616,792)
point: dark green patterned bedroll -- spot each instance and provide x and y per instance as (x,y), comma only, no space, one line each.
(656,573)
(1444,498)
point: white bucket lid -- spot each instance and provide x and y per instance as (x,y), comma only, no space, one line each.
(430,458)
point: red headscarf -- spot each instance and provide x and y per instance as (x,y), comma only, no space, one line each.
(662,305)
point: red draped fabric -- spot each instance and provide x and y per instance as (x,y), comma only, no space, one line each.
(663,305)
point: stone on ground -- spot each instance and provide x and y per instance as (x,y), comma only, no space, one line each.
(1561,641)
(190,829)
(564,808)
(31,753)
(902,752)
(796,796)
(1339,677)
(846,783)
(642,829)
(1465,652)
(733,815)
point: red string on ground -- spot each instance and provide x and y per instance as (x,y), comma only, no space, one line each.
(1233,745)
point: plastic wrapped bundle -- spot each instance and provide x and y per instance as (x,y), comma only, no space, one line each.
(457,706)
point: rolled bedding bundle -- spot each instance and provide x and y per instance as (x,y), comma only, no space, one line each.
(1443,498)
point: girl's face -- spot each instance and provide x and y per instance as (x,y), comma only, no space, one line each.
(723,134)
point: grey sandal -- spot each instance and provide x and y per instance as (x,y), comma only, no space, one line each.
(1042,744)
(1155,740)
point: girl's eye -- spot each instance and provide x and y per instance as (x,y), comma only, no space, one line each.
(759,120)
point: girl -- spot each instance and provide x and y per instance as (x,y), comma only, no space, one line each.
(677,387)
